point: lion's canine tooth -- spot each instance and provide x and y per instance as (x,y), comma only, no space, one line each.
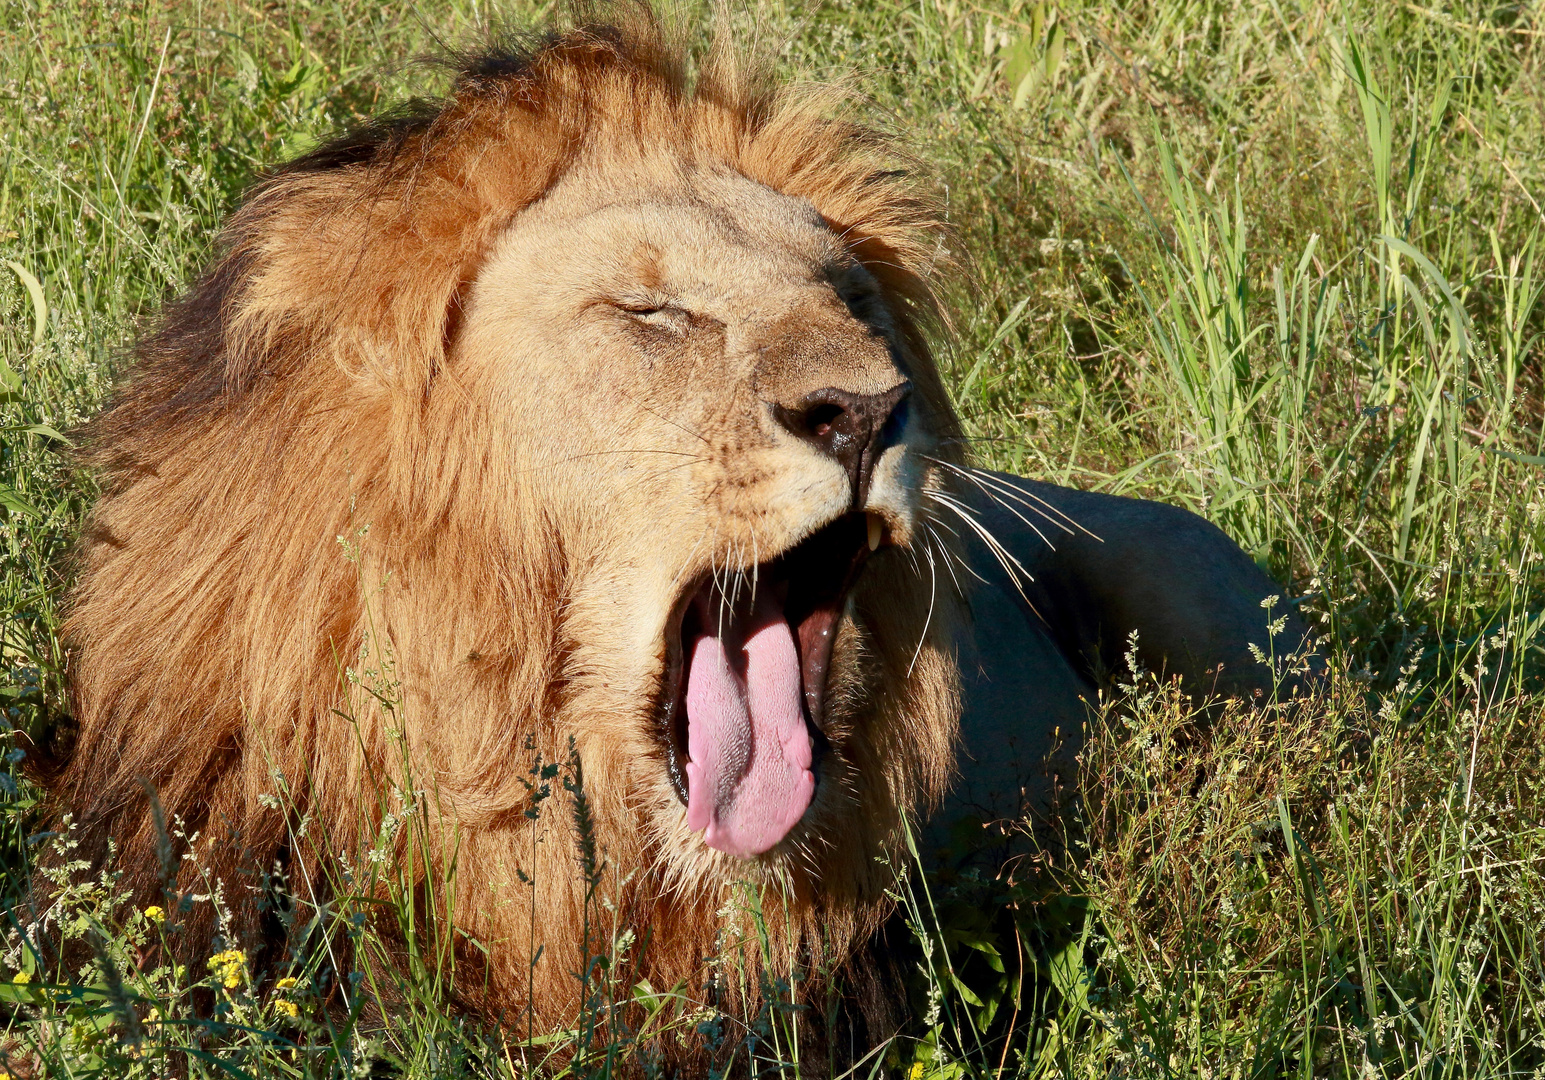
(876,528)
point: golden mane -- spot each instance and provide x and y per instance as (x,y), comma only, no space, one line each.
(285,405)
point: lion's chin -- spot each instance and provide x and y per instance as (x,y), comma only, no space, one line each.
(746,706)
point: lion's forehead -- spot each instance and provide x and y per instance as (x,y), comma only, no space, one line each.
(707,230)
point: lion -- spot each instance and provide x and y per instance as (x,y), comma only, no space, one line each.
(587,416)
(583,426)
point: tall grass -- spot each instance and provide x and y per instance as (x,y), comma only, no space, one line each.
(1275,260)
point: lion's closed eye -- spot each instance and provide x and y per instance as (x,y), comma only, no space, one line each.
(665,317)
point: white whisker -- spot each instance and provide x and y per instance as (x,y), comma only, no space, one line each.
(722,585)
(965,514)
(676,580)
(738,559)
(947,550)
(1011,565)
(1021,495)
(965,474)
(933,588)
(756,563)
(948,555)
(911,551)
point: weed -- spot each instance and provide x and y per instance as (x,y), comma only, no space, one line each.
(1275,260)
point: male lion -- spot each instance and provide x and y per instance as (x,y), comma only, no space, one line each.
(592,408)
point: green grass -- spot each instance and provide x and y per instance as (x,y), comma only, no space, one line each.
(1278,261)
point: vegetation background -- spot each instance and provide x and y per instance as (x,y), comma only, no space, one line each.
(1278,261)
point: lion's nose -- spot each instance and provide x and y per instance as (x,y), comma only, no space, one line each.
(853,428)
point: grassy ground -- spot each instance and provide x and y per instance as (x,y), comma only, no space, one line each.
(1275,260)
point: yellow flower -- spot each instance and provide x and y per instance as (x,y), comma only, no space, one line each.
(916,1072)
(288,1008)
(155,914)
(229,966)
(286,983)
(21,978)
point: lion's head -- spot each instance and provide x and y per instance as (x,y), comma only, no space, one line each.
(591,405)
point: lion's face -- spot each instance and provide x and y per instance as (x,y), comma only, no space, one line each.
(704,389)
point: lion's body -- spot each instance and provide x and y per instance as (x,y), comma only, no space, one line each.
(1091,573)
(410,496)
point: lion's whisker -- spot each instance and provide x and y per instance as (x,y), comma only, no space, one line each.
(732,557)
(756,562)
(999,501)
(911,551)
(981,480)
(676,579)
(947,554)
(1020,495)
(693,459)
(968,440)
(725,606)
(662,472)
(994,545)
(842,236)
(887,262)
(947,551)
(660,416)
(1015,569)
(806,856)
(965,514)
(718,587)
(634,450)
(933,589)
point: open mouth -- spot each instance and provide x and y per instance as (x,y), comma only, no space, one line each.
(744,703)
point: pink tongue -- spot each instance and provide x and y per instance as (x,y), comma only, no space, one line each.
(749,779)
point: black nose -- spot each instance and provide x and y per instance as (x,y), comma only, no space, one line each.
(853,428)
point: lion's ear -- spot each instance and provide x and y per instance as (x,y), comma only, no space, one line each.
(368,281)
(360,257)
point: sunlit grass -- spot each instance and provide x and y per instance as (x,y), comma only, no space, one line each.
(1278,262)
